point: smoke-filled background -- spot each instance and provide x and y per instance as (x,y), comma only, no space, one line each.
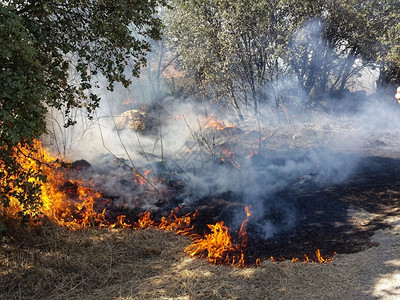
(286,141)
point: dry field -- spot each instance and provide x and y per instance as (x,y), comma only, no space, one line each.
(53,263)
(49,262)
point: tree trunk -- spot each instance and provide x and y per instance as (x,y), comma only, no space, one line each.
(234,102)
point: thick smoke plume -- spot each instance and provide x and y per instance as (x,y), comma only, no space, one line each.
(290,146)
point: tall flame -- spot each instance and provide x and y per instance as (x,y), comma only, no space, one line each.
(218,245)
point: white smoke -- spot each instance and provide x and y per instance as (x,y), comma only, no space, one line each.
(292,147)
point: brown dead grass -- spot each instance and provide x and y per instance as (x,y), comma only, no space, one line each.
(53,263)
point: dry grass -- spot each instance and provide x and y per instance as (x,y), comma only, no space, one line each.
(54,263)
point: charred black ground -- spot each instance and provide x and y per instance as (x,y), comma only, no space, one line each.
(322,220)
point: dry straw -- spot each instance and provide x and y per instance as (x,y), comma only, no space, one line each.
(53,263)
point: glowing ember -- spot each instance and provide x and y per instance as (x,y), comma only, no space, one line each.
(127,101)
(252,153)
(229,156)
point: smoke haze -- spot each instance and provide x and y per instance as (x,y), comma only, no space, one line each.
(289,146)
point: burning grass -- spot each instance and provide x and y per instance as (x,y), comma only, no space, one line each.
(50,262)
(71,203)
(54,262)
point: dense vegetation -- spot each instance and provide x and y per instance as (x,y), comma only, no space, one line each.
(50,55)
(243,51)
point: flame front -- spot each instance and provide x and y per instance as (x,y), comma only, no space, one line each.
(68,203)
(217,244)
(71,203)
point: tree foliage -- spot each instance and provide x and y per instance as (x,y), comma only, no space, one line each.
(243,51)
(231,46)
(51,55)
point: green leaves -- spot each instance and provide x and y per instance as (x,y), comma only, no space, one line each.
(238,49)
(232,46)
(41,44)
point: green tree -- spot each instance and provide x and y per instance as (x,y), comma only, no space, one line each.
(51,53)
(388,54)
(231,47)
(22,112)
(351,30)
(240,50)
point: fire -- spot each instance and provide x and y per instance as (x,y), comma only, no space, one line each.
(317,258)
(242,230)
(120,223)
(218,245)
(181,225)
(321,259)
(54,204)
(211,122)
(140,178)
(230,157)
(88,196)
(71,206)
(228,154)
(144,221)
(72,203)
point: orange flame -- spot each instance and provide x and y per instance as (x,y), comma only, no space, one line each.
(219,246)
(211,122)
(242,230)
(57,205)
(144,221)
(76,210)
(321,259)
(317,258)
(141,178)
(120,223)
(180,225)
